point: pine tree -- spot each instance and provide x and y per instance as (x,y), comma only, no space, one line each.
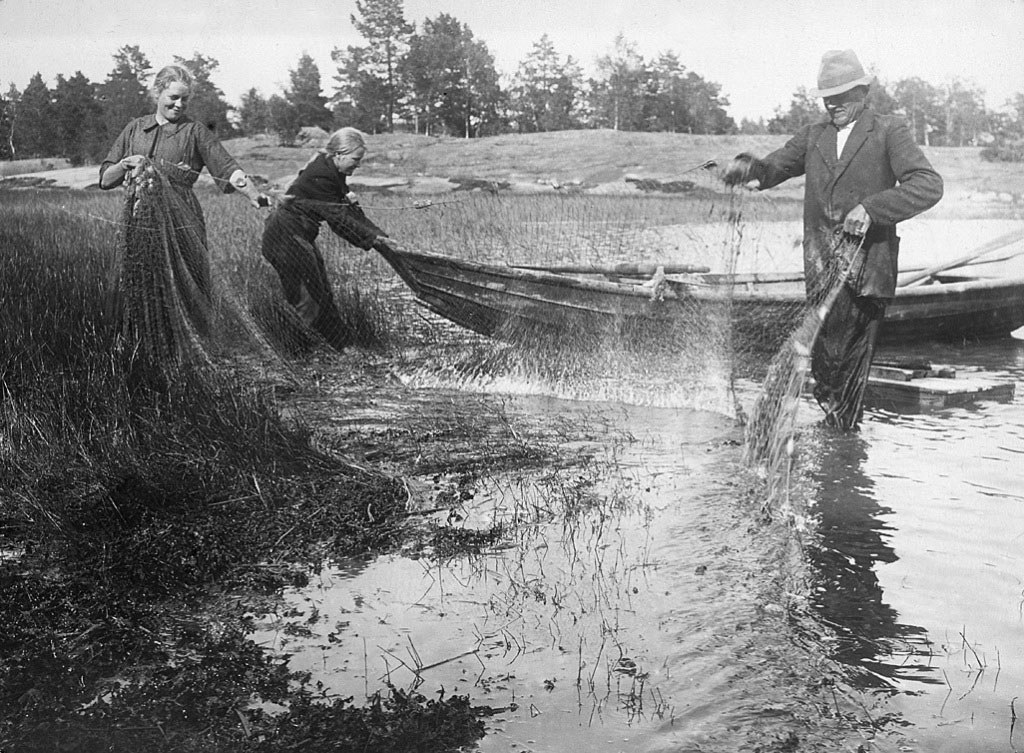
(545,90)
(36,133)
(79,119)
(361,99)
(123,95)
(254,114)
(707,106)
(383,25)
(670,96)
(306,95)
(453,81)
(206,103)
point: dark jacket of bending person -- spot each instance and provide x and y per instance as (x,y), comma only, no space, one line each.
(319,194)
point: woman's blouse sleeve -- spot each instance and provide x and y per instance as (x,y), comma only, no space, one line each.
(118,151)
(216,158)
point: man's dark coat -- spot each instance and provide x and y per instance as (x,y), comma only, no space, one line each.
(881,168)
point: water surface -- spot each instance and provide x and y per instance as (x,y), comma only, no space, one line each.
(639,598)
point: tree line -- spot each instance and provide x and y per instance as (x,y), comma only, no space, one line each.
(439,79)
(953,115)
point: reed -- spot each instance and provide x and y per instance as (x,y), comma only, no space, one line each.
(85,420)
(125,496)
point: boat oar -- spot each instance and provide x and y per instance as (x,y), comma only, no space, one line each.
(623,269)
(993,245)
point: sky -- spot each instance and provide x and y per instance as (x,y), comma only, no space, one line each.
(758,51)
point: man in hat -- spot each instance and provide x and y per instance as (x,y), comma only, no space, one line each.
(864,174)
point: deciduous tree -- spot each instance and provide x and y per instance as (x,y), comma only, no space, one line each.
(749,126)
(284,119)
(618,93)
(8,121)
(966,116)
(1012,119)
(803,109)
(880,100)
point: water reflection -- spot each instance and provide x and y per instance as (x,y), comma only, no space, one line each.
(852,539)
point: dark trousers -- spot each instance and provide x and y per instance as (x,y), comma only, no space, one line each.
(300,266)
(841,359)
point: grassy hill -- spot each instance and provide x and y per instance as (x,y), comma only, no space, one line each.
(597,157)
(592,158)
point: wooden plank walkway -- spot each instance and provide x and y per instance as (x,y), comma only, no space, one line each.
(923,387)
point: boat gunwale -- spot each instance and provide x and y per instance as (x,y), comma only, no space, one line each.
(934,290)
(991,296)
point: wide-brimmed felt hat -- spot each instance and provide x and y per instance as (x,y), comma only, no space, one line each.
(840,71)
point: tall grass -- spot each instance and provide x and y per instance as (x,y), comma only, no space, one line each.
(82,416)
(125,496)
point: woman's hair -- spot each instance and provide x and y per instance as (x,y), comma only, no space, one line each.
(168,75)
(344,140)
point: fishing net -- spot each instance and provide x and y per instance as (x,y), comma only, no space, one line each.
(174,312)
(771,429)
(579,295)
(736,338)
(681,295)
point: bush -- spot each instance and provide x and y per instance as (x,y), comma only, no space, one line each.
(1004,151)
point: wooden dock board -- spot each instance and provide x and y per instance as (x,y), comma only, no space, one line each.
(921,387)
(931,393)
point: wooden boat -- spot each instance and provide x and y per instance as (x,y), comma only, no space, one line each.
(500,300)
(953,307)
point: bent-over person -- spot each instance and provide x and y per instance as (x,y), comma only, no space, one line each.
(318,194)
(864,174)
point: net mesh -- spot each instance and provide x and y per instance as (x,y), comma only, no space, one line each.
(632,322)
(684,297)
(771,430)
(174,312)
